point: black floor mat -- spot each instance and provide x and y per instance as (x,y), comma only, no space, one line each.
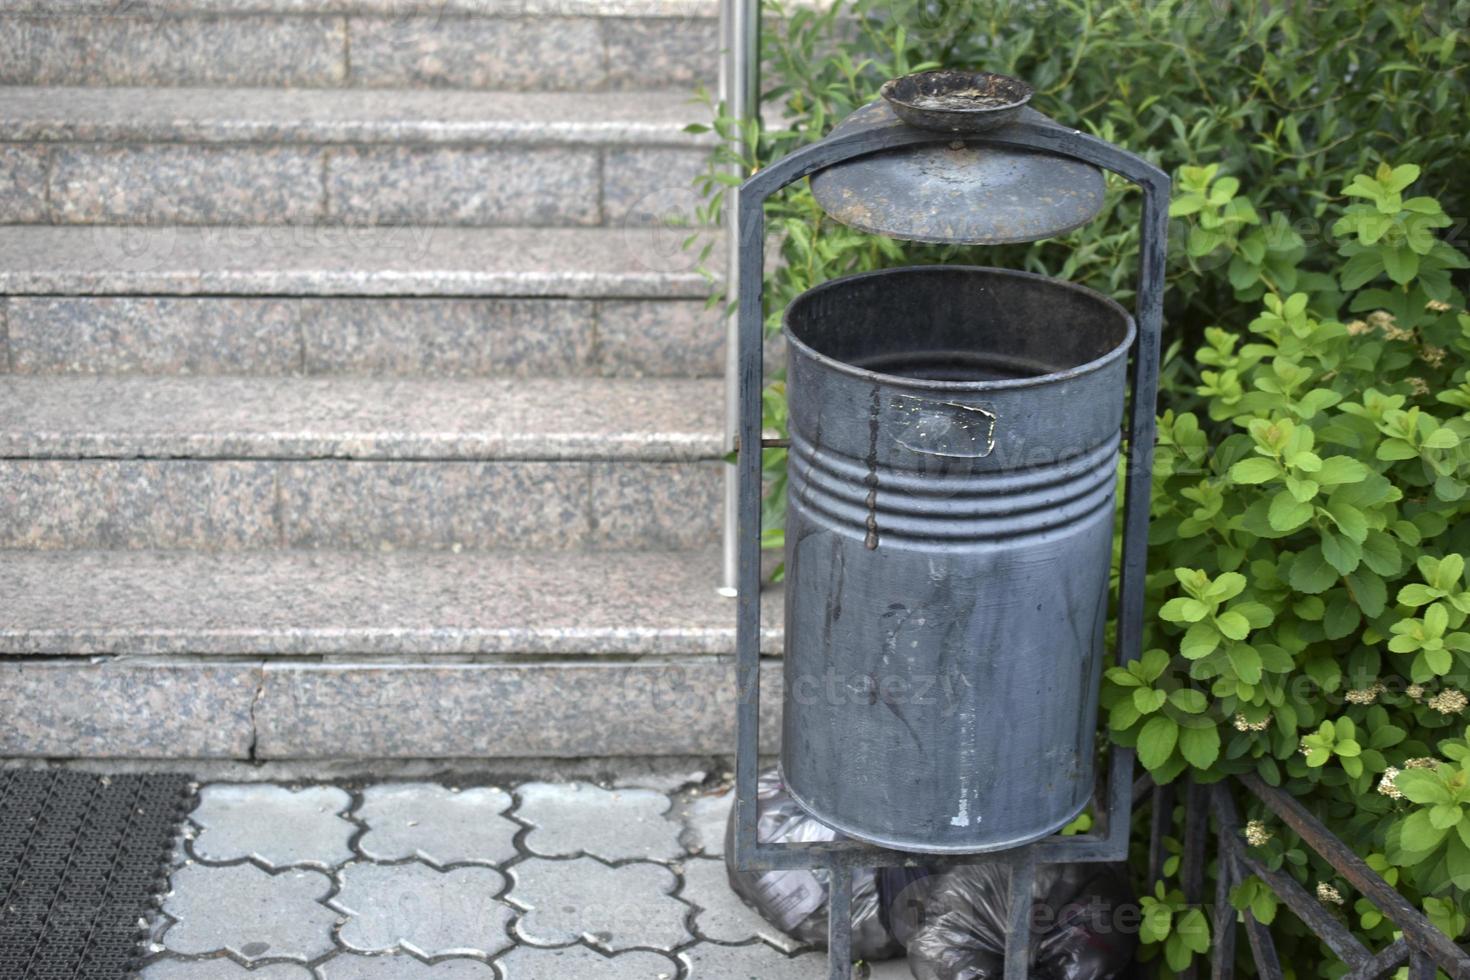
(81,858)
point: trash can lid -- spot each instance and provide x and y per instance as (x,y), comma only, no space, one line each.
(960,192)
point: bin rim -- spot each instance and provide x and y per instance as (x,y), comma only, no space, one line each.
(1121,349)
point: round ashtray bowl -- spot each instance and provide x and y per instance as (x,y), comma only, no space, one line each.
(953,101)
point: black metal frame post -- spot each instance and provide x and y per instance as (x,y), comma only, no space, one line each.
(1036,132)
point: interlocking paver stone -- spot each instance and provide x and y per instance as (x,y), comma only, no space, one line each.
(704,823)
(578,818)
(274,825)
(611,908)
(249,912)
(437,824)
(723,917)
(756,962)
(419,909)
(527,963)
(222,970)
(351,966)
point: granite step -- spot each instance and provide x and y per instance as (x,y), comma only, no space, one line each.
(251,463)
(337,655)
(593,263)
(560,45)
(341,157)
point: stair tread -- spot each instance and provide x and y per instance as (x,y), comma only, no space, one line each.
(322,260)
(359,418)
(407,603)
(705,9)
(208,115)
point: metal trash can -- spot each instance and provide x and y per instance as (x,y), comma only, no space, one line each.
(954,449)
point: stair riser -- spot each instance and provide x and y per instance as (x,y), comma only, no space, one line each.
(361,185)
(381,336)
(239,710)
(412,50)
(212,505)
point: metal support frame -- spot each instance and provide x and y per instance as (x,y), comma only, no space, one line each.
(1032,131)
(739,91)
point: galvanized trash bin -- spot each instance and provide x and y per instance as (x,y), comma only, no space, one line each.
(954,451)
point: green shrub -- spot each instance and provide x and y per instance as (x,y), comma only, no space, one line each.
(1310,523)
(1307,592)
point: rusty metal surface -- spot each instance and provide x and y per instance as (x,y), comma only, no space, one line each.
(958,191)
(955,101)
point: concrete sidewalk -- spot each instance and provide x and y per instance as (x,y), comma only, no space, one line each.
(408,880)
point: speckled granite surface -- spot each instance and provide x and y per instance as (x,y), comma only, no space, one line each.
(167,184)
(422,46)
(93,49)
(206,115)
(360,418)
(329,261)
(385,336)
(127,708)
(653,707)
(402,603)
(497,8)
(227,505)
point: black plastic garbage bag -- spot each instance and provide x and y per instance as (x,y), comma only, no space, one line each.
(795,901)
(954,922)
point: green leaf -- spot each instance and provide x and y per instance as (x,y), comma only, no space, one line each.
(1156,741)
(1188,700)
(1200,746)
(1287,513)
(1311,572)
(1233,625)
(1184,610)
(1369,590)
(1246,662)
(1257,469)
(1422,786)
(1199,641)
(1148,700)
(1418,834)
(1341,469)
(1341,619)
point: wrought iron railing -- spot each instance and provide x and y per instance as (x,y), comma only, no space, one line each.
(1422,946)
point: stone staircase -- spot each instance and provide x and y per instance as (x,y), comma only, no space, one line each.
(356,402)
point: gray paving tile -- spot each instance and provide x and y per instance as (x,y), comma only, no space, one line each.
(127,708)
(352,966)
(249,913)
(436,824)
(611,908)
(222,969)
(528,963)
(578,818)
(186,184)
(722,916)
(708,961)
(275,825)
(704,820)
(419,909)
(395,185)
